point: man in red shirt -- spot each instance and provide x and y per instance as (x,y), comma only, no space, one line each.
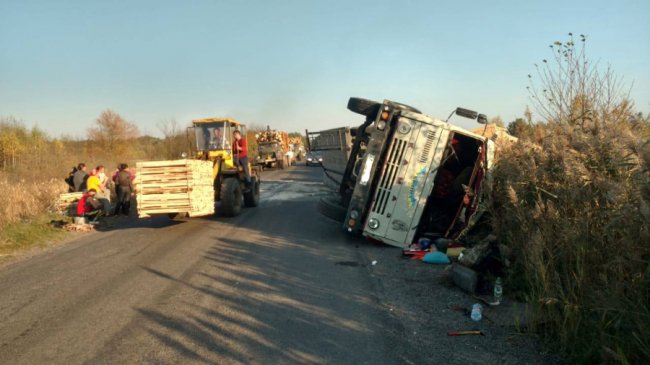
(89,207)
(240,152)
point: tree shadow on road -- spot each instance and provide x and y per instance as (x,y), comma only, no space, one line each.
(277,298)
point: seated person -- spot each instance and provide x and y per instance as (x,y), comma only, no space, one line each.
(217,141)
(88,206)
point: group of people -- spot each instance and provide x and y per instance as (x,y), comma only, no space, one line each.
(97,190)
(96,185)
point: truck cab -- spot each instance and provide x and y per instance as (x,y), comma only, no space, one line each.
(410,175)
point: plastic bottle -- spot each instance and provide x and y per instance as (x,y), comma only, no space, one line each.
(476,312)
(498,291)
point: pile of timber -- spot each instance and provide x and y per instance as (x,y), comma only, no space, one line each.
(67,203)
(179,186)
(269,136)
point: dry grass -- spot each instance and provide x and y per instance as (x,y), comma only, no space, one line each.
(574,204)
(24,221)
(23,200)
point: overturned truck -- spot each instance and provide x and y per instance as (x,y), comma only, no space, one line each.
(410,176)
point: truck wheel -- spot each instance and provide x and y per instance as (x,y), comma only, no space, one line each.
(252,198)
(363,106)
(281,164)
(230,197)
(331,208)
(404,107)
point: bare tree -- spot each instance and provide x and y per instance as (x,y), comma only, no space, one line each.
(175,140)
(112,133)
(571,88)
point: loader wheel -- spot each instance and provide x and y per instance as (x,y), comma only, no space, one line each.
(231,195)
(252,198)
(363,106)
(331,208)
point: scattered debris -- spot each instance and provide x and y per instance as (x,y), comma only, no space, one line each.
(465,333)
(464,277)
(474,255)
(476,314)
(436,257)
(72,227)
(347,263)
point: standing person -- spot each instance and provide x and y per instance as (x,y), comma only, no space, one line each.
(70,180)
(124,189)
(79,178)
(240,152)
(103,193)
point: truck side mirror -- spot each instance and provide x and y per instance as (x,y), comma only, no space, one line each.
(466,113)
(482,119)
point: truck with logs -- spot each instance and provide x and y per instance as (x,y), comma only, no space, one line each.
(273,149)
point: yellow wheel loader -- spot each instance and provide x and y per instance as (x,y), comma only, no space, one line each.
(214,140)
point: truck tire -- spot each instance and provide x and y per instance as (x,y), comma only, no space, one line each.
(363,106)
(404,107)
(231,196)
(332,209)
(252,198)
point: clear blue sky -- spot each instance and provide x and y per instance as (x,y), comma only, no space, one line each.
(293,64)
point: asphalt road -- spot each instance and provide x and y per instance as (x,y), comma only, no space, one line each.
(279,284)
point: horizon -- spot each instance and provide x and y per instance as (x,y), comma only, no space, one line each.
(293,65)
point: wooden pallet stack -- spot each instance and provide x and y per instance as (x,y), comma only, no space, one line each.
(67,203)
(179,186)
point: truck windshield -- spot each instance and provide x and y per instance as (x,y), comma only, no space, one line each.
(212,136)
(268,147)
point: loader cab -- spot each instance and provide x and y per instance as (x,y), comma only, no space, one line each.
(414,175)
(213,138)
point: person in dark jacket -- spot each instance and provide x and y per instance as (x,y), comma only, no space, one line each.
(70,180)
(124,190)
(79,178)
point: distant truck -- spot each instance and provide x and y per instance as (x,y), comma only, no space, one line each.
(330,149)
(297,147)
(273,149)
(408,175)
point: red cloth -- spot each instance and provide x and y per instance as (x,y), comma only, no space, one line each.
(241,143)
(82,207)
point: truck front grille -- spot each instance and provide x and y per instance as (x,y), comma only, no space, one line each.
(393,162)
